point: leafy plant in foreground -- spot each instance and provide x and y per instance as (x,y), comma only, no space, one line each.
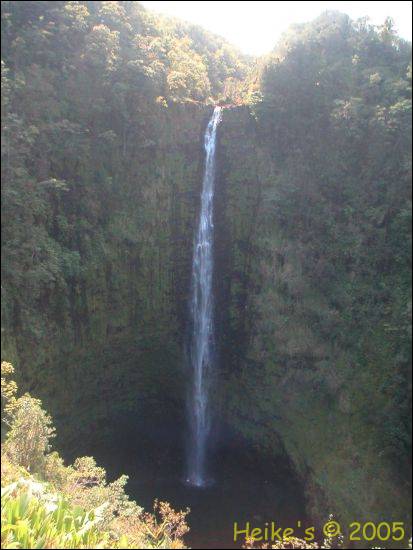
(30,521)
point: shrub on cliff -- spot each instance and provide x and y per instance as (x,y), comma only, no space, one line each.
(27,440)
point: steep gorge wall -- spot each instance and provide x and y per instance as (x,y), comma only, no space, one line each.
(103,341)
(288,384)
(103,345)
(104,105)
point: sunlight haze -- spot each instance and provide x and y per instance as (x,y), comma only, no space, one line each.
(255,27)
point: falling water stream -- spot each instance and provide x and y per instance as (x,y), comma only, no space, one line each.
(247,487)
(202,330)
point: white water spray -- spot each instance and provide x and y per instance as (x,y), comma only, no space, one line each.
(202,336)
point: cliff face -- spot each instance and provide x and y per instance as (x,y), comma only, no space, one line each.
(101,340)
(290,385)
(103,337)
(104,106)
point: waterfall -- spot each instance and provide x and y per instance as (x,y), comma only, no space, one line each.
(202,316)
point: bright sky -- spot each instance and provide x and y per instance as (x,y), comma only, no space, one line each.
(256,26)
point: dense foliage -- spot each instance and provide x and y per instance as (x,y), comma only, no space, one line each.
(337,110)
(84,85)
(100,156)
(321,271)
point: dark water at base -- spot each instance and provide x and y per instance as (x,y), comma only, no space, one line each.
(245,488)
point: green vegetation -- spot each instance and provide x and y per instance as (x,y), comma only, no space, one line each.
(103,107)
(100,166)
(45,504)
(316,241)
(30,523)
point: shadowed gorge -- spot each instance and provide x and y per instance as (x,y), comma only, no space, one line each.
(299,284)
